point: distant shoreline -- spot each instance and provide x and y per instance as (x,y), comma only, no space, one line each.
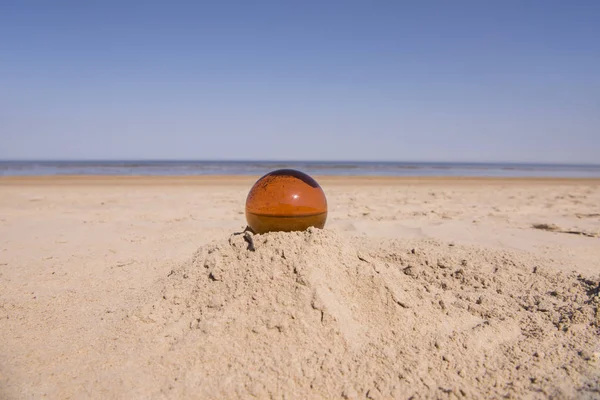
(320,168)
(237,180)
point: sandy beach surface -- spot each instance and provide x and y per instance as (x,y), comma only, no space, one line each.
(138,287)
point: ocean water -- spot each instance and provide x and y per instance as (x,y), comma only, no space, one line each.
(172,168)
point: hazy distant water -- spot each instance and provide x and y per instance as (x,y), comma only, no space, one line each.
(22,168)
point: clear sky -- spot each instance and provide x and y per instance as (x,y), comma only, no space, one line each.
(301,80)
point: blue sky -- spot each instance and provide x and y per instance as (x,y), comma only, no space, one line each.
(301,80)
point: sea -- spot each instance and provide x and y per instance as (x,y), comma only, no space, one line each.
(346,168)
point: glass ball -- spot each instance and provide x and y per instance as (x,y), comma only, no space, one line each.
(285,200)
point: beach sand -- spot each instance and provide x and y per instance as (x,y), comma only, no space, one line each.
(138,287)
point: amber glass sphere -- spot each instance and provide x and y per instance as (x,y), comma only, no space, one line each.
(285,200)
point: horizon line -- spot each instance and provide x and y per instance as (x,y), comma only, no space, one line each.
(273,161)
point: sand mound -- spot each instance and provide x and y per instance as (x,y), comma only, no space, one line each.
(306,315)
